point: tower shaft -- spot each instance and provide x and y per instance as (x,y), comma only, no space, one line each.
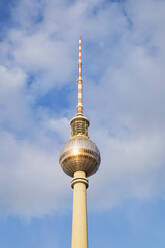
(79,218)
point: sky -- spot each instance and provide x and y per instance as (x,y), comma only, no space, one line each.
(123,57)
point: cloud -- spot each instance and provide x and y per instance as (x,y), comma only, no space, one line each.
(123,68)
(131,114)
(13,98)
(32,183)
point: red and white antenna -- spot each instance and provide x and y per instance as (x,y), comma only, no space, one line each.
(80,105)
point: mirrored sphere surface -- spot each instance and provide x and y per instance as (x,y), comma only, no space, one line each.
(80,153)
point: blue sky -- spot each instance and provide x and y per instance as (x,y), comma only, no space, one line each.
(124,98)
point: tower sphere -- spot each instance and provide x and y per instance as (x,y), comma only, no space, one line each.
(80,154)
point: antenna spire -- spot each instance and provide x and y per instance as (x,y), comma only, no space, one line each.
(80,105)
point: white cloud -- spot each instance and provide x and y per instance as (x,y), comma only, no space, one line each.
(32,183)
(124,99)
(13,99)
(132,113)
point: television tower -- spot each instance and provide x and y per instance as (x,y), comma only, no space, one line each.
(79,158)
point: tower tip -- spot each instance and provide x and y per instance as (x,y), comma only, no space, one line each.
(80,103)
(80,37)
